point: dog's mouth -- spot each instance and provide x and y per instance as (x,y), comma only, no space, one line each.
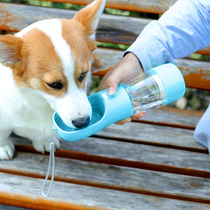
(78,122)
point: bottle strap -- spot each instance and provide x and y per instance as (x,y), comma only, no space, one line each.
(50,165)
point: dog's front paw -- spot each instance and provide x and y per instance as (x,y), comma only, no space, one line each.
(44,145)
(7,151)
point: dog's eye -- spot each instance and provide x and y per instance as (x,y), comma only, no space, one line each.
(55,85)
(82,76)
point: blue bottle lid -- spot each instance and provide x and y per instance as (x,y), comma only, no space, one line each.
(172,81)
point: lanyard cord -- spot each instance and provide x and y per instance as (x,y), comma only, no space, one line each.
(51,164)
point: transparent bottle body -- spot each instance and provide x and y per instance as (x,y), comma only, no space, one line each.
(146,92)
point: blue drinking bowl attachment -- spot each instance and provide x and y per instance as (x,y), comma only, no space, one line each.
(105,111)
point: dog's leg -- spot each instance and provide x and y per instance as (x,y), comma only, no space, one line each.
(43,145)
(7,148)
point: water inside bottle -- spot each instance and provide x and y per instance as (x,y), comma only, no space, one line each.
(146,93)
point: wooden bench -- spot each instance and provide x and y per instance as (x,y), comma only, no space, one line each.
(154,163)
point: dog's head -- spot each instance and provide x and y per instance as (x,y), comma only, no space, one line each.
(54,58)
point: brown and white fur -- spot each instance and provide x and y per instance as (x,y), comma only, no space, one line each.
(46,68)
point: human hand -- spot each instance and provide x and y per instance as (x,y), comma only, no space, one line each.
(128,68)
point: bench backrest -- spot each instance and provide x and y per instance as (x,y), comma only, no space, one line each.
(113,29)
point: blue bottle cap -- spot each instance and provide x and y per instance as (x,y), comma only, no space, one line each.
(172,81)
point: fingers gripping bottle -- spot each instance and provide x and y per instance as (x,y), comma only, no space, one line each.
(158,87)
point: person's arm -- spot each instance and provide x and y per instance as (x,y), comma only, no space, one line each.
(182,30)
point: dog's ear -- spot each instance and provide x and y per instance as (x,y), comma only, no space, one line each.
(89,17)
(10,48)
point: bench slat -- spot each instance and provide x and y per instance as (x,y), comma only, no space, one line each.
(114,29)
(151,6)
(14,17)
(67,196)
(153,135)
(134,154)
(196,73)
(79,197)
(173,117)
(160,158)
(112,177)
(125,30)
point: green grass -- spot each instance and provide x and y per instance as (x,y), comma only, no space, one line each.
(111,45)
(200,57)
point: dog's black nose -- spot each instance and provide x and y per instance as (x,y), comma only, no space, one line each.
(81,122)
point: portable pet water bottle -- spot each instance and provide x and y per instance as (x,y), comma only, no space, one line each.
(158,87)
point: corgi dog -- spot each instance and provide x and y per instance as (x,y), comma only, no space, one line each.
(46,68)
